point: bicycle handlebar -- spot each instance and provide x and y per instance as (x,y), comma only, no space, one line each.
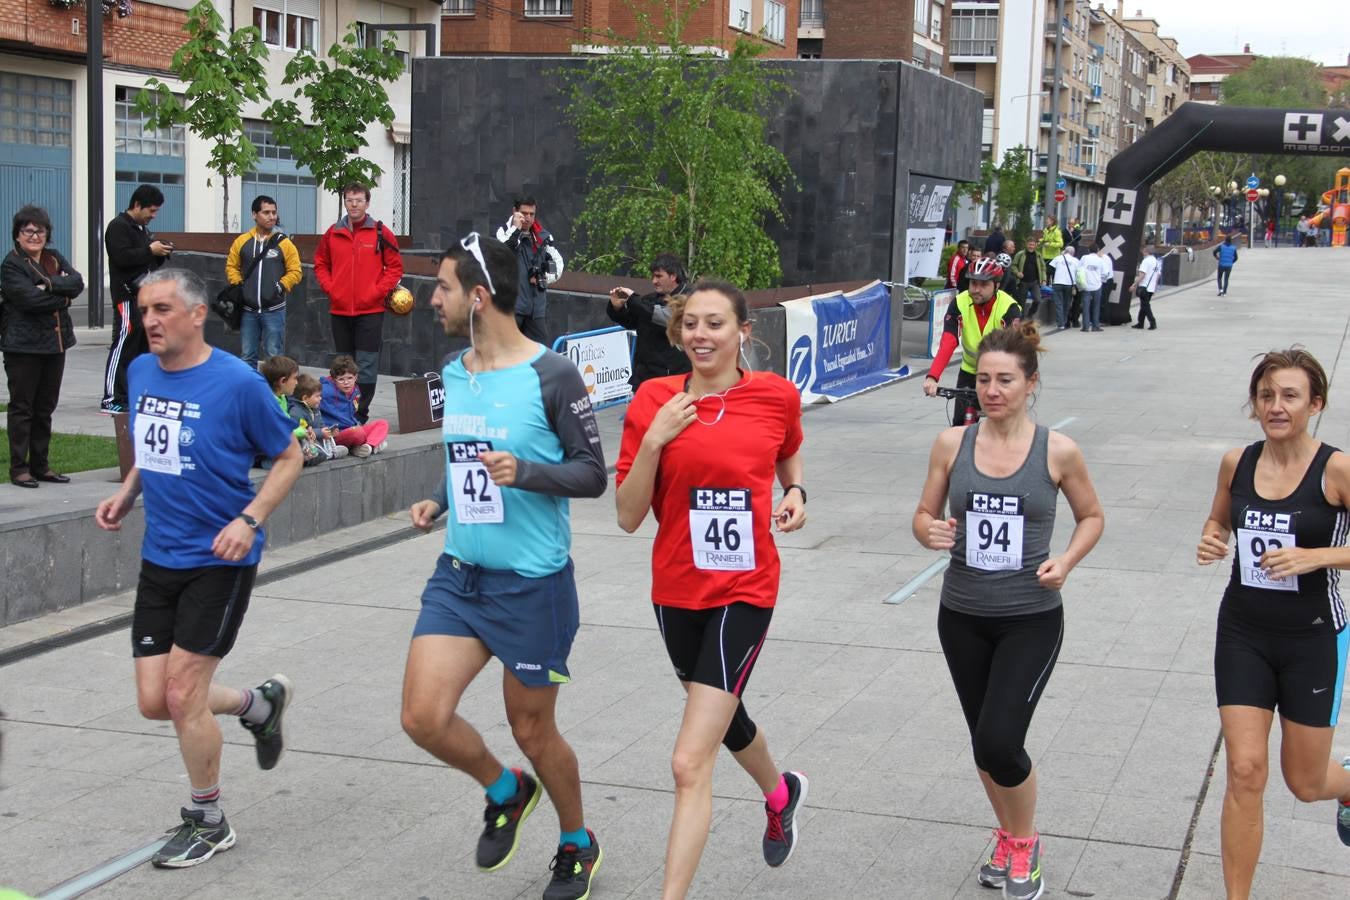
(968,394)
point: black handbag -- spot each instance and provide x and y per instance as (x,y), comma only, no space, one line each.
(229,303)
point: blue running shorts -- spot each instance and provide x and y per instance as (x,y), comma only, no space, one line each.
(527,623)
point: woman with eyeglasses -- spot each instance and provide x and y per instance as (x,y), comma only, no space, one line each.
(37,285)
(701,452)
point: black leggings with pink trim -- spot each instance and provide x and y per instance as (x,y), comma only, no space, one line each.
(717,647)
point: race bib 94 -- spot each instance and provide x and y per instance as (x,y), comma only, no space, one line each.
(158,423)
(721,530)
(1264,531)
(993,531)
(477,501)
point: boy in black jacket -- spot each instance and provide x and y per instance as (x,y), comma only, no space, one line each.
(132,253)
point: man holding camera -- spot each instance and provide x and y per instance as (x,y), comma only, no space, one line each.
(133,253)
(647,316)
(539,262)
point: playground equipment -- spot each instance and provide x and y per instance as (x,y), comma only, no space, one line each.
(1337,203)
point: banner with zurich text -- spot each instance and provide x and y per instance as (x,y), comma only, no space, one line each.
(839,344)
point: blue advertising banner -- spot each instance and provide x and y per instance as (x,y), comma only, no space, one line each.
(838,344)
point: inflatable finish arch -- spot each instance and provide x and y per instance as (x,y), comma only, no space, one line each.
(1192,128)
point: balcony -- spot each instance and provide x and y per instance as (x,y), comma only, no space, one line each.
(975,50)
(1091,170)
(1048,75)
(1094,131)
(1045,122)
(811,20)
(1094,93)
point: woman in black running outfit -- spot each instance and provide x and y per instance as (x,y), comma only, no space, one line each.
(1281,637)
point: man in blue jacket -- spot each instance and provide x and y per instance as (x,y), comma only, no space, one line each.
(1226,254)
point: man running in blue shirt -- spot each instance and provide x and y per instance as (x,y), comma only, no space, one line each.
(520,439)
(198,418)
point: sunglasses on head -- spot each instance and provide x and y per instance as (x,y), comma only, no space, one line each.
(470,243)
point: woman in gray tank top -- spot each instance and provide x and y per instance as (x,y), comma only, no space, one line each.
(1001,622)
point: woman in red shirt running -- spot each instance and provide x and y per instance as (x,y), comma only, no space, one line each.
(701,452)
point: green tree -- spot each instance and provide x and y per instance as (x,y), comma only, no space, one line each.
(1286,81)
(1011,187)
(346,94)
(678,159)
(223,70)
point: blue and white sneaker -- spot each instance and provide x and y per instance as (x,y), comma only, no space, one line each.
(1343,812)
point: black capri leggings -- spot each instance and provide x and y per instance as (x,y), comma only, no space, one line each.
(999,666)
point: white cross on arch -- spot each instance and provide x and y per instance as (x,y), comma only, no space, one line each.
(1119,206)
(1342,132)
(1113,243)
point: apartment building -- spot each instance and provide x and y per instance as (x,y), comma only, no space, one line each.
(44,150)
(563,27)
(1208,71)
(911,30)
(1169,76)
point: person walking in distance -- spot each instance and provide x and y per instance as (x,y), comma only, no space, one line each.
(520,439)
(133,252)
(274,275)
(1029,267)
(1001,619)
(357,264)
(1096,271)
(1144,284)
(1227,255)
(701,452)
(957,264)
(199,417)
(1282,639)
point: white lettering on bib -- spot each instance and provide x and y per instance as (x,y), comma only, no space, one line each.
(993,532)
(1264,531)
(721,529)
(477,501)
(158,425)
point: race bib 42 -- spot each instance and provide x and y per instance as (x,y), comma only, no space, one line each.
(476,500)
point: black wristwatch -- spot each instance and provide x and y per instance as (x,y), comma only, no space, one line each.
(248,520)
(799,488)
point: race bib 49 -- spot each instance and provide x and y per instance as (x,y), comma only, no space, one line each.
(158,424)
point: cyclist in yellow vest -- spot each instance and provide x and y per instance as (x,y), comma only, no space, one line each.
(972,315)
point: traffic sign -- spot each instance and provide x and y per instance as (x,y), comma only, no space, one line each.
(1253,182)
(1059,196)
(1061,184)
(1252,195)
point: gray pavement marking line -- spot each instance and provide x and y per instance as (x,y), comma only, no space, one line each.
(1185,858)
(114,623)
(911,587)
(1063,423)
(1126,358)
(100,875)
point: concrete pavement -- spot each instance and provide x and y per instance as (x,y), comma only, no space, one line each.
(849,690)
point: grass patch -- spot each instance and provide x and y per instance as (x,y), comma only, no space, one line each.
(74,452)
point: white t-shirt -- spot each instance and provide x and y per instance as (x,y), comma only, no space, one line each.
(1150,270)
(1066,269)
(1097,270)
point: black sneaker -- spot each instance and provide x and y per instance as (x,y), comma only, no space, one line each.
(194,842)
(780,837)
(573,868)
(267,736)
(501,831)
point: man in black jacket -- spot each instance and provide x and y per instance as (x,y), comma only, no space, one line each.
(647,315)
(539,262)
(132,253)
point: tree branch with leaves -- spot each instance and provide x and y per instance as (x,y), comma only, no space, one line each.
(675,139)
(222,70)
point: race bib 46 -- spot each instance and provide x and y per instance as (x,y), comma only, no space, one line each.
(721,530)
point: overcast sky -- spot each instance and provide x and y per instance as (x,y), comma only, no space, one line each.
(1316,29)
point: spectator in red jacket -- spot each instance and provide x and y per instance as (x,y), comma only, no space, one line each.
(357,264)
(957,264)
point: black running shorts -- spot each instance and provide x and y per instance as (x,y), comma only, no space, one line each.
(198,609)
(717,647)
(1301,675)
